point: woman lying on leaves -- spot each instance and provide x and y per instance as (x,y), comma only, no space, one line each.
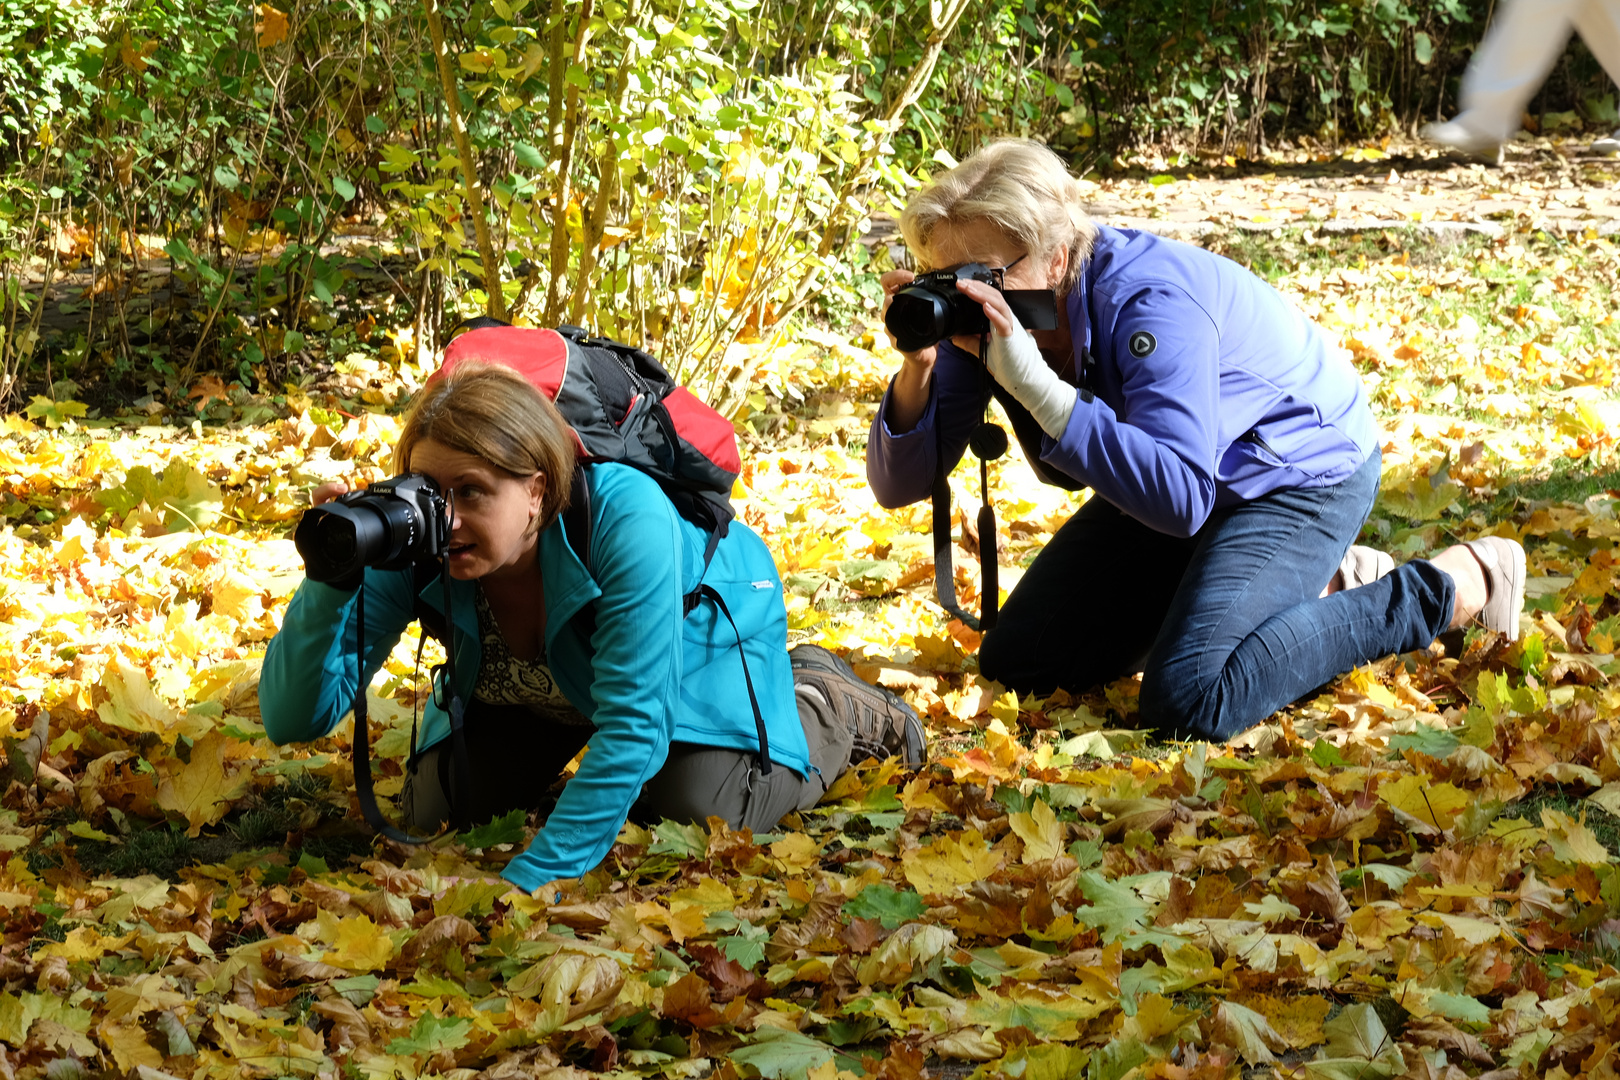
(555,652)
(1231,452)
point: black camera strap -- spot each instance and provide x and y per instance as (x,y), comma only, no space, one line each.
(364,788)
(987,442)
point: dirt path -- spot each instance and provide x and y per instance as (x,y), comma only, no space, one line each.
(1542,184)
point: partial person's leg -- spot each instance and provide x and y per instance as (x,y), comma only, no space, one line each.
(1523,41)
(1248,633)
(699,782)
(423,805)
(1090,605)
(513,757)
(1598,23)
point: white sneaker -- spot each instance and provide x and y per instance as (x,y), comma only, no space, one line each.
(1608,146)
(1459,136)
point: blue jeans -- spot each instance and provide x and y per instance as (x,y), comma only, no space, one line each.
(1226,626)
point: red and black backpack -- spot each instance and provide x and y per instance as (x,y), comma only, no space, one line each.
(622,406)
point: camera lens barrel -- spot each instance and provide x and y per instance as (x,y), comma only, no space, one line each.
(387,527)
(918,317)
(337,540)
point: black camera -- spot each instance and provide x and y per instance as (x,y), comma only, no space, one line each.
(388,526)
(931,308)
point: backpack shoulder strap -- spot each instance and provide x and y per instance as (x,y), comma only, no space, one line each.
(576,519)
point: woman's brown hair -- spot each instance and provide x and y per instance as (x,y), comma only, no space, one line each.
(493,413)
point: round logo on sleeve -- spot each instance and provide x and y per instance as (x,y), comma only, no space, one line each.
(1142,344)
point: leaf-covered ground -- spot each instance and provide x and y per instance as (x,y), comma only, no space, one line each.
(1411,874)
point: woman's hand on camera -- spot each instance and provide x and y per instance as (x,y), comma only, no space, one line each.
(1002,321)
(327,492)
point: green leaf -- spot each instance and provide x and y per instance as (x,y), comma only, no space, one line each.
(312,864)
(777,1054)
(1118,1058)
(1436,742)
(184,495)
(1459,1007)
(343,188)
(746,948)
(358,990)
(434,986)
(1357,1037)
(226,177)
(471,898)
(178,250)
(86,831)
(1326,755)
(1115,908)
(1392,876)
(180,1044)
(54,413)
(688,841)
(1422,47)
(529,157)
(430,1035)
(506,829)
(889,906)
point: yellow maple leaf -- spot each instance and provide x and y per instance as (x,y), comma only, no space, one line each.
(1572,841)
(1297,1018)
(271,27)
(202,790)
(797,851)
(1378,921)
(950,862)
(357,943)
(131,703)
(1040,831)
(1157,1018)
(130,1049)
(142,995)
(81,944)
(707,895)
(1417,795)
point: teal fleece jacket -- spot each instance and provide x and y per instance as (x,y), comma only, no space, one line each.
(646,677)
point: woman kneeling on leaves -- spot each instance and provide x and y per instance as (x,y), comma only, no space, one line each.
(1231,453)
(557,652)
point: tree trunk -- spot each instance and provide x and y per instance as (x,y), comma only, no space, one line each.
(472,188)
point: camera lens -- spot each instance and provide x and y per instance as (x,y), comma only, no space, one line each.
(917,318)
(338,540)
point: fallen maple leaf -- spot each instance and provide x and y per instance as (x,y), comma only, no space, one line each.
(202,790)
(206,389)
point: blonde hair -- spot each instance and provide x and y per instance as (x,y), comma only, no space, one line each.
(492,412)
(1021,188)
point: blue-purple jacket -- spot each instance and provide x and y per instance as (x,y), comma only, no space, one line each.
(1207,389)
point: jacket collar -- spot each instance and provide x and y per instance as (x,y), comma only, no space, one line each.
(569,586)
(1079,301)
